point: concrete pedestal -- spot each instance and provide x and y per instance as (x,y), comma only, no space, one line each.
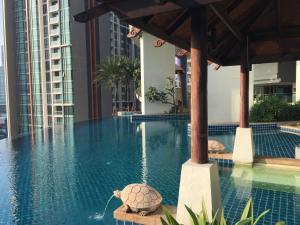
(198,182)
(243,152)
(297,153)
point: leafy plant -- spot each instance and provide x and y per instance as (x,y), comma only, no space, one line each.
(274,109)
(247,217)
(167,96)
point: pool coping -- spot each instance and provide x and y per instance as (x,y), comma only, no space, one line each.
(226,159)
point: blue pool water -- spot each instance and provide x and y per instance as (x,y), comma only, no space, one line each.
(269,143)
(67,176)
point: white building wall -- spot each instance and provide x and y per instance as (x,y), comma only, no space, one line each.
(156,65)
(224,94)
(223,84)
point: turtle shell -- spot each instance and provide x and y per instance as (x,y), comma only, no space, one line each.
(140,196)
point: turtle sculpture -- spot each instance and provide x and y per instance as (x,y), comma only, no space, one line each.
(215,146)
(139,198)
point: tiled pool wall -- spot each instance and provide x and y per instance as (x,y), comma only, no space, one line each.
(289,129)
(120,222)
(159,117)
(217,129)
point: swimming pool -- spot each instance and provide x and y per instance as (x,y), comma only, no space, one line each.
(271,143)
(67,176)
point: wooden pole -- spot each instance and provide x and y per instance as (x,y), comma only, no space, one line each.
(199,121)
(244,89)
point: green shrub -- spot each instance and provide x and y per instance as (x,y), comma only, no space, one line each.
(247,217)
(273,109)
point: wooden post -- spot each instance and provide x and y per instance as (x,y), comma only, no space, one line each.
(244,89)
(199,121)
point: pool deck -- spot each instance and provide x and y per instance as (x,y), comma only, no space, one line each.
(278,161)
(152,219)
(263,160)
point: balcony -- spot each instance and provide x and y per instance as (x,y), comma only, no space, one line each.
(54,8)
(56,67)
(56,79)
(55,32)
(54,20)
(55,43)
(286,97)
(58,113)
(55,55)
(58,101)
(57,90)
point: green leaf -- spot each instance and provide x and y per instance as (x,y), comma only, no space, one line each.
(171,220)
(214,220)
(201,220)
(204,211)
(163,222)
(246,210)
(222,220)
(280,223)
(261,216)
(192,215)
(244,221)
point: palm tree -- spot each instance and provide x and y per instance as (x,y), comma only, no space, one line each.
(111,72)
(131,72)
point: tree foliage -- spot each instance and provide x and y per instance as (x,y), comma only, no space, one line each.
(119,70)
(274,109)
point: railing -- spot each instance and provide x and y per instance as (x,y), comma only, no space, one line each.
(56,79)
(58,113)
(55,31)
(55,43)
(58,101)
(56,67)
(289,98)
(57,90)
(53,8)
(54,20)
(55,55)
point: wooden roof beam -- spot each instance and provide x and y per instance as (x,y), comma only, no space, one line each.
(232,5)
(93,13)
(284,33)
(228,42)
(159,33)
(178,22)
(225,18)
(173,27)
(278,12)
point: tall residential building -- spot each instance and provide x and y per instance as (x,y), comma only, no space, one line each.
(2,93)
(51,61)
(3,129)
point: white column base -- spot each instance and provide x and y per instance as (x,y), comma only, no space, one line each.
(297,153)
(198,182)
(243,152)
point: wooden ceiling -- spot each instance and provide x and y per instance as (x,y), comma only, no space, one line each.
(271,28)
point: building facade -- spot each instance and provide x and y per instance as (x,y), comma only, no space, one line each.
(2,93)
(51,63)
(275,79)
(3,129)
